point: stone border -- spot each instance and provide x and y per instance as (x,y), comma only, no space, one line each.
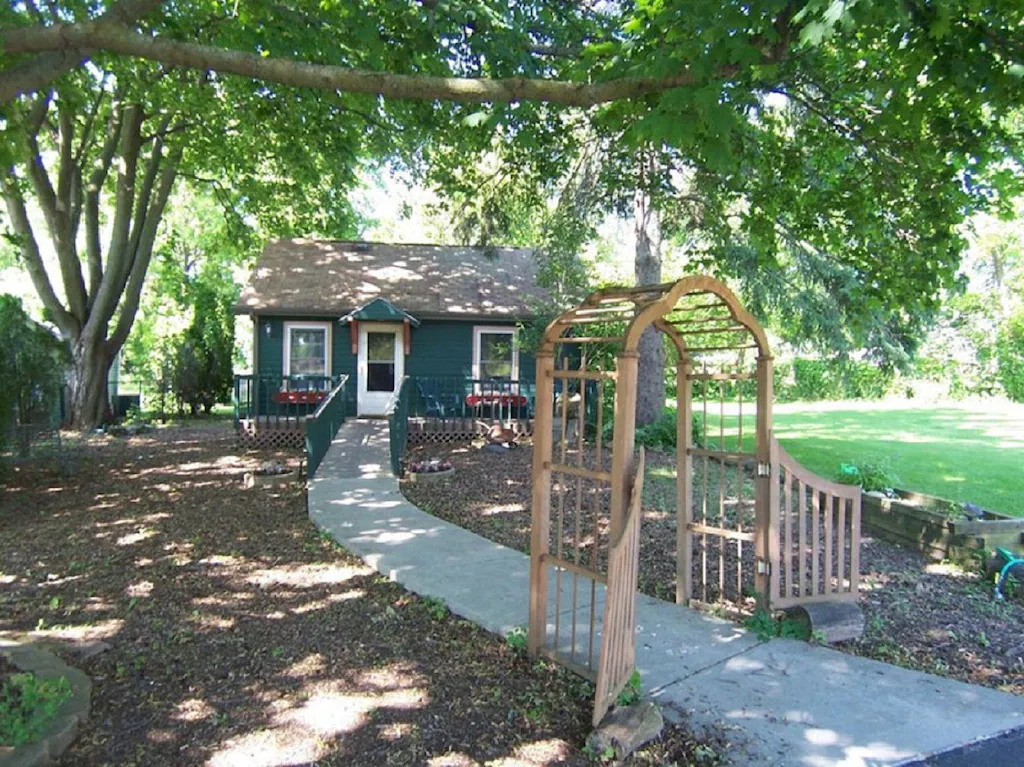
(254,479)
(429,476)
(62,730)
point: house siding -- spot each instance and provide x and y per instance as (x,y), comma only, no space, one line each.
(442,348)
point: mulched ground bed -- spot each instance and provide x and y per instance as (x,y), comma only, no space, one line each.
(923,615)
(235,634)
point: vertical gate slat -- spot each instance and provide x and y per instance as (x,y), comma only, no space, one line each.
(788,488)
(684,483)
(721,489)
(841,546)
(774,555)
(739,480)
(829,564)
(816,541)
(855,545)
(802,498)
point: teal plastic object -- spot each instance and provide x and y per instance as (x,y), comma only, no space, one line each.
(1012,563)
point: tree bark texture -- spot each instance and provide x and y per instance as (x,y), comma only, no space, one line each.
(650,394)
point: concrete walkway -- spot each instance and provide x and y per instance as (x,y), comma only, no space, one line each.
(786,702)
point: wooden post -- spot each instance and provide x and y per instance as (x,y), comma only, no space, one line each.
(763,516)
(254,385)
(684,482)
(622,441)
(541,509)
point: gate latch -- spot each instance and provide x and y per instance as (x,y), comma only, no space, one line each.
(764,567)
(764,469)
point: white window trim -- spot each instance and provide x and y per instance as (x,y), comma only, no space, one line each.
(511,331)
(289,326)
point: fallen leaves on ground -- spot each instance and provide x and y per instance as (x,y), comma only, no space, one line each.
(220,627)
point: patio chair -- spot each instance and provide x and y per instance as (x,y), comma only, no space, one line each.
(432,404)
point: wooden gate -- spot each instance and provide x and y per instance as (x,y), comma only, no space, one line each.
(814,535)
(719,559)
(577,549)
(618,650)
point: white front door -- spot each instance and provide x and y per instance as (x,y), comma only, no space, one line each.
(381,365)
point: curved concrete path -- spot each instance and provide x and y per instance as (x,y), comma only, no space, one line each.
(785,702)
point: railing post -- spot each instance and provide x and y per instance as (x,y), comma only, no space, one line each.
(763,531)
(684,482)
(541,502)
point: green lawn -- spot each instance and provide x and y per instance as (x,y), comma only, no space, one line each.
(962,452)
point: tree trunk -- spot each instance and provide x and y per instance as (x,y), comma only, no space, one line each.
(650,394)
(89,401)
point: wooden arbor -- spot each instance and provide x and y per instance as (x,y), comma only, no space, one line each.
(750,521)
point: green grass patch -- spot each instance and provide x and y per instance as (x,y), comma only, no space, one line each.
(963,452)
(27,705)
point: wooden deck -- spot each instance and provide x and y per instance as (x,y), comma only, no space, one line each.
(272,432)
(289,433)
(424,430)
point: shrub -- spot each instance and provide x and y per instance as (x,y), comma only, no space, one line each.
(863,380)
(203,363)
(1010,356)
(660,435)
(871,477)
(32,361)
(816,379)
(27,705)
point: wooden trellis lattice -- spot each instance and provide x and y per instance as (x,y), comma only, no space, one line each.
(587,499)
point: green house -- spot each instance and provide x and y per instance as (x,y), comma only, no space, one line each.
(446,317)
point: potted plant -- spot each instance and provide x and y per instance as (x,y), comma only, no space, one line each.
(271,473)
(431,468)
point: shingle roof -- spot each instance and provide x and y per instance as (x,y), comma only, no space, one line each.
(329,278)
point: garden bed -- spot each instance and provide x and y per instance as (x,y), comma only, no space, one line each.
(42,703)
(940,529)
(929,616)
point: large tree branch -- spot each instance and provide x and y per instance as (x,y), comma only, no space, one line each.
(140,265)
(93,248)
(31,256)
(117,253)
(56,208)
(117,38)
(36,73)
(142,201)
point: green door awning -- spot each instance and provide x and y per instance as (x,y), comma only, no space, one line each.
(380,310)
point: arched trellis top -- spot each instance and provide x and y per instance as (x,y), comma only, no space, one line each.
(699,314)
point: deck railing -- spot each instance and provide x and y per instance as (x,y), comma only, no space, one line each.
(397,412)
(324,423)
(279,399)
(454,397)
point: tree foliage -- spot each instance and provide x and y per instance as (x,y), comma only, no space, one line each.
(182,348)
(829,150)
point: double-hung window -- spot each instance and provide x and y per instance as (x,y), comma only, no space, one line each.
(495,353)
(307,349)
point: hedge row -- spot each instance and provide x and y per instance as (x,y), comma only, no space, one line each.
(805,379)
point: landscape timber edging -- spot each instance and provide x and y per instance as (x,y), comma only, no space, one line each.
(924,522)
(62,730)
